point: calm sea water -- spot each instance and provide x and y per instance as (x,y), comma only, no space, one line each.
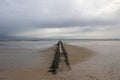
(22,54)
(44,44)
(28,44)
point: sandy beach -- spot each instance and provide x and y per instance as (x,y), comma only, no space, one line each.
(96,62)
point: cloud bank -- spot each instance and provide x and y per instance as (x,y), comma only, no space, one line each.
(81,19)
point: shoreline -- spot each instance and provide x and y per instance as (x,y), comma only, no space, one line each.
(90,62)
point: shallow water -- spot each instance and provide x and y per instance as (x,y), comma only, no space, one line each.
(27,44)
(22,54)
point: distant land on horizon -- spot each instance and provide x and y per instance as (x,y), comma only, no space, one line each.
(3,40)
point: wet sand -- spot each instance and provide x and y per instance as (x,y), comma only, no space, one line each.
(87,63)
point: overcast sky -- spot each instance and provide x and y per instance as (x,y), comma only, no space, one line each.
(69,19)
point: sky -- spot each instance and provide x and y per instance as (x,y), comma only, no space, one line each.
(59,19)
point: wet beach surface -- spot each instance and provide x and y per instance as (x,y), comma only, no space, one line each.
(89,60)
